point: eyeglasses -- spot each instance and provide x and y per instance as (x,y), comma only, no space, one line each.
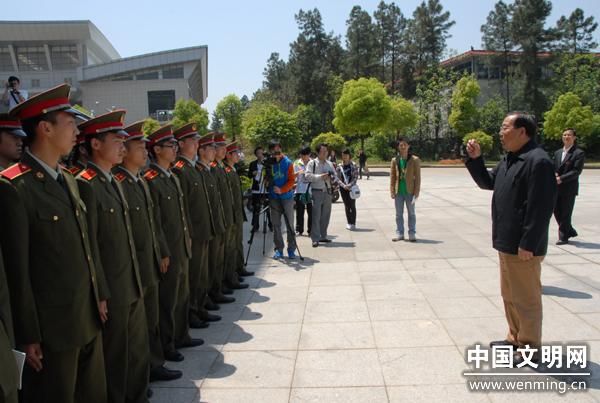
(174,146)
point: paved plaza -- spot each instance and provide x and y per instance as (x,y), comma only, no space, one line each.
(365,319)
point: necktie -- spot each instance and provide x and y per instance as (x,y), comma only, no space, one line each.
(63,184)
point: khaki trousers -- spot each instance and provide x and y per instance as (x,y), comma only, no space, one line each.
(521,289)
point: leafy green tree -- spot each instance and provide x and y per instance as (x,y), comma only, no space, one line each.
(245,102)
(230,109)
(497,36)
(363,108)
(575,34)
(360,43)
(485,140)
(531,37)
(403,116)
(491,114)
(263,122)
(463,117)
(83,110)
(579,74)
(150,126)
(308,121)
(216,122)
(188,111)
(566,112)
(334,141)
(380,146)
(430,30)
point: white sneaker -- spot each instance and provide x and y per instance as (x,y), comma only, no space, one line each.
(349,227)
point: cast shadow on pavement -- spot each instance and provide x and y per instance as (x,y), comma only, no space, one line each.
(563,292)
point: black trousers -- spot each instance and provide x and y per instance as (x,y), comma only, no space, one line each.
(349,205)
(563,210)
(300,208)
(258,203)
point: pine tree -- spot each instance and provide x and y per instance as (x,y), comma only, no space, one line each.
(360,44)
(431,26)
(391,26)
(575,33)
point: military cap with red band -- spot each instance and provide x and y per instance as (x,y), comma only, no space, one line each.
(160,135)
(186,131)
(109,122)
(206,140)
(135,131)
(55,99)
(232,147)
(11,124)
(219,139)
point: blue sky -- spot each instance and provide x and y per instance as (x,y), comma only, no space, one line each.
(242,34)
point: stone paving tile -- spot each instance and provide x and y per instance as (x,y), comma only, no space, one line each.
(366,319)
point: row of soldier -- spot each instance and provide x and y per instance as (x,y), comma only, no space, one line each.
(110,262)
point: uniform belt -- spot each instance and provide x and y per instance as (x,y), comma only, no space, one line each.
(318,190)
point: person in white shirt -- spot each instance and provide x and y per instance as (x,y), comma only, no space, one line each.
(302,194)
(13,94)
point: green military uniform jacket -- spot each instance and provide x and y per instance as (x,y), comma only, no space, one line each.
(54,281)
(8,368)
(237,199)
(110,230)
(145,225)
(224,192)
(169,201)
(196,196)
(217,213)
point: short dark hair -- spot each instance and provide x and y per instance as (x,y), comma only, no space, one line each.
(30,125)
(274,143)
(570,129)
(14,78)
(258,148)
(88,141)
(319,146)
(305,151)
(525,120)
(346,151)
(401,139)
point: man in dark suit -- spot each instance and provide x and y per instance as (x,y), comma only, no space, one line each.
(568,164)
(8,369)
(58,293)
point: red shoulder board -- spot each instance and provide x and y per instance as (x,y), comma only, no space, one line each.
(15,171)
(74,170)
(88,174)
(179,164)
(228,169)
(151,174)
(213,164)
(120,176)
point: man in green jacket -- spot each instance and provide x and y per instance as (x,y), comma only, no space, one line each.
(145,224)
(58,293)
(125,334)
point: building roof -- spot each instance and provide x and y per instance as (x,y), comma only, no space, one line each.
(31,32)
(482,53)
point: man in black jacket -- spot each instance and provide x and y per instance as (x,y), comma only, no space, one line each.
(524,194)
(256,172)
(568,164)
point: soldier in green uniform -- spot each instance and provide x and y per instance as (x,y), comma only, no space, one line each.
(11,140)
(58,293)
(147,233)
(168,198)
(235,265)
(225,210)
(9,376)
(79,156)
(125,333)
(196,195)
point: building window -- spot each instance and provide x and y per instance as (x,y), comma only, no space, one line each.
(5,59)
(150,75)
(35,83)
(64,57)
(122,77)
(172,72)
(31,58)
(161,101)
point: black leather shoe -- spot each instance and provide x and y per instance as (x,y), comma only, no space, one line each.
(502,343)
(315,244)
(196,323)
(325,240)
(209,317)
(246,273)
(164,374)
(223,299)
(191,342)
(174,356)
(238,286)
(149,393)
(211,306)
(562,242)
(226,290)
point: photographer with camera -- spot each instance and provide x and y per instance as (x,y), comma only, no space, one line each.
(281,178)
(257,172)
(13,94)
(321,174)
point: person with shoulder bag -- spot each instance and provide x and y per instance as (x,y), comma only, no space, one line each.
(302,195)
(347,174)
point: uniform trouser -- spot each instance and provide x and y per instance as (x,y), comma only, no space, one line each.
(151,305)
(349,206)
(12,398)
(126,353)
(216,256)
(563,210)
(239,246)
(521,290)
(168,298)
(300,208)
(199,283)
(321,213)
(70,376)
(230,276)
(182,306)
(279,207)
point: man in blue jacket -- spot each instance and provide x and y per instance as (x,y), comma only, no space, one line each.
(281,199)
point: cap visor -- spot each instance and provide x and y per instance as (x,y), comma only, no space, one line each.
(18,133)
